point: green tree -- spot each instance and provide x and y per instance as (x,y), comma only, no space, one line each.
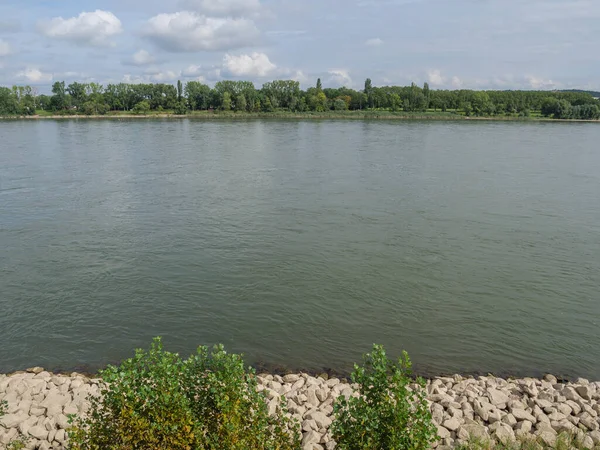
(198,95)
(369,92)
(142,107)
(59,100)
(179,90)
(226,105)
(427,94)
(339,104)
(240,103)
(319,85)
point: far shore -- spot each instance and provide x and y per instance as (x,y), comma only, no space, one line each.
(355,115)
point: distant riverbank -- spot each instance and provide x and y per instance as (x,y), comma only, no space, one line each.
(334,115)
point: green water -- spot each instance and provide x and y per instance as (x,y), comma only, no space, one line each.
(474,246)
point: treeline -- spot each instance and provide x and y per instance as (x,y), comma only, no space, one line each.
(286,95)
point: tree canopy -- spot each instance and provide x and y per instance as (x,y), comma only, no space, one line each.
(286,95)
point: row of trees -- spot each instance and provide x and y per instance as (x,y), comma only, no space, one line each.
(286,95)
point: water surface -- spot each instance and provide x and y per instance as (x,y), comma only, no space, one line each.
(474,246)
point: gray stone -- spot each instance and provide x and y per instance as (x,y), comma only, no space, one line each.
(502,432)
(452,424)
(562,426)
(585,392)
(291,378)
(330,445)
(547,435)
(524,427)
(9,435)
(332,382)
(570,394)
(308,425)
(62,421)
(521,414)
(38,432)
(472,431)
(442,432)
(311,437)
(321,419)
(510,420)
(12,420)
(564,409)
(60,436)
(589,422)
(35,370)
(322,394)
(595,435)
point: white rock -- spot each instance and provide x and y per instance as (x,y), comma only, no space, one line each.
(38,432)
(291,378)
(309,424)
(521,414)
(60,436)
(442,432)
(320,418)
(12,420)
(585,392)
(9,435)
(452,424)
(589,422)
(311,437)
(570,394)
(502,432)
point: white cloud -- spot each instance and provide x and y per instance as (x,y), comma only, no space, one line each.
(223,8)
(456,82)
(165,76)
(339,77)
(435,78)
(540,83)
(4,48)
(374,42)
(94,28)
(33,75)
(253,65)
(187,31)
(141,58)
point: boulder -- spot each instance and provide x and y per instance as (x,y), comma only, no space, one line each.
(39,432)
(452,424)
(570,394)
(585,392)
(502,432)
(472,431)
(521,414)
(443,432)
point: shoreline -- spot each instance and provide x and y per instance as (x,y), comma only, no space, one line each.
(297,116)
(462,408)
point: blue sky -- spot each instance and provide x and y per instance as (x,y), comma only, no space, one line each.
(478,44)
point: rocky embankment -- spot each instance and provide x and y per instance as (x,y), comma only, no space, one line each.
(39,404)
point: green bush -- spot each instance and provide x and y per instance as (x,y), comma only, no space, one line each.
(388,414)
(156,400)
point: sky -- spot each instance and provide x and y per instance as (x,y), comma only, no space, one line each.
(471,44)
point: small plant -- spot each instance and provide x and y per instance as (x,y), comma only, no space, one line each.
(388,414)
(156,400)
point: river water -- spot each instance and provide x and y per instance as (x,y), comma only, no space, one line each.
(475,246)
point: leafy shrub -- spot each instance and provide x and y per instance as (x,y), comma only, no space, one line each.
(156,400)
(388,414)
(142,107)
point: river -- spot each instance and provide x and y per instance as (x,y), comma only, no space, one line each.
(475,246)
